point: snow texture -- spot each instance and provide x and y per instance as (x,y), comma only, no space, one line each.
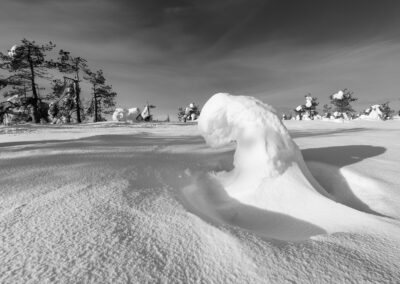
(373,112)
(269,174)
(112,202)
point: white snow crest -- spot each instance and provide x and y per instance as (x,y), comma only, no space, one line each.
(338,96)
(264,145)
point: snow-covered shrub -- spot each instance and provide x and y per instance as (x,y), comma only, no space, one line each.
(299,111)
(310,106)
(191,112)
(327,111)
(388,113)
(341,102)
(378,112)
(308,110)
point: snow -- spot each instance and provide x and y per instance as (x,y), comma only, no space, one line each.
(143,203)
(119,114)
(373,112)
(338,96)
(13,51)
(133,113)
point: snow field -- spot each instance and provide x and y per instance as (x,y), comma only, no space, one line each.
(122,203)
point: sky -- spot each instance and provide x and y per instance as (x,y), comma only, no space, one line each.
(173,52)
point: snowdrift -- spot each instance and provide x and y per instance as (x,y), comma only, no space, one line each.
(270,190)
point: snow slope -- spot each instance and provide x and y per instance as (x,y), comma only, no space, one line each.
(113,203)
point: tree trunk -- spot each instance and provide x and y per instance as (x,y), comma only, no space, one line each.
(94,103)
(78,98)
(77,102)
(95,118)
(36,117)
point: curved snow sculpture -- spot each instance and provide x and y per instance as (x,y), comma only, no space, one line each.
(264,147)
(119,114)
(270,190)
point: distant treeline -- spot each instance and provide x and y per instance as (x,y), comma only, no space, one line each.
(28,67)
(340,107)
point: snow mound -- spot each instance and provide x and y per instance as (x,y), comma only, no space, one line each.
(264,146)
(270,190)
(133,113)
(119,114)
(373,113)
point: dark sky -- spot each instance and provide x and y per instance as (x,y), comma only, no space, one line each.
(172,52)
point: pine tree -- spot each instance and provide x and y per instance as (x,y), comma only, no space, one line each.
(27,64)
(73,65)
(311,105)
(181,113)
(103,97)
(342,100)
(63,97)
(327,110)
(386,111)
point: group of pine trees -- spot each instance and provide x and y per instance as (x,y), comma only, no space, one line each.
(340,106)
(26,69)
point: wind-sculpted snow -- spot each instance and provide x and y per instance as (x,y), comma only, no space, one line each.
(152,203)
(270,190)
(264,146)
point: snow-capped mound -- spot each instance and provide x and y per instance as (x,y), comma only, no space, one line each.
(270,190)
(264,146)
(373,113)
(119,114)
(133,114)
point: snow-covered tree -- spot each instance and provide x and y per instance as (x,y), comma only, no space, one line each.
(69,64)
(299,111)
(26,63)
(63,101)
(387,112)
(181,113)
(342,102)
(311,106)
(327,110)
(103,97)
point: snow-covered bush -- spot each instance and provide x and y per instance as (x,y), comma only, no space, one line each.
(191,112)
(327,111)
(311,106)
(299,111)
(308,110)
(378,112)
(341,102)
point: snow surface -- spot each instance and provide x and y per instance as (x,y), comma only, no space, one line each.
(145,203)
